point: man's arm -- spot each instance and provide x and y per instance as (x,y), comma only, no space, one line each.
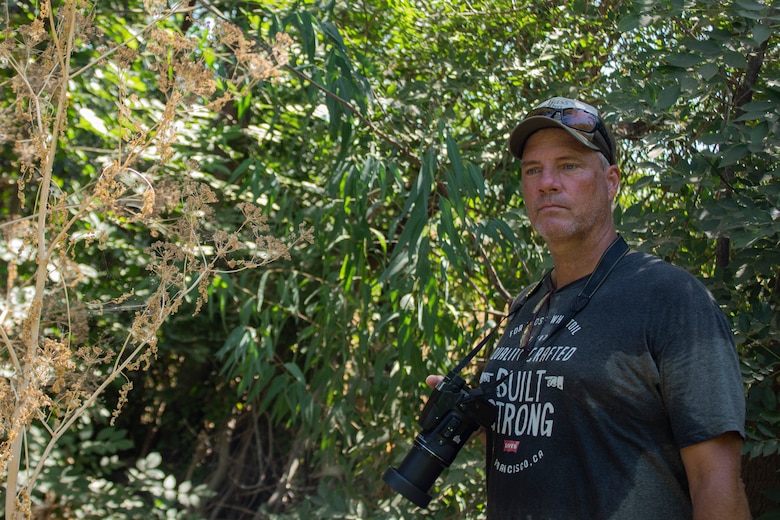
(713,470)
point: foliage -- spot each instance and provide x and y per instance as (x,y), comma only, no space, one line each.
(86,487)
(711,166)
(55,362)
(298,383)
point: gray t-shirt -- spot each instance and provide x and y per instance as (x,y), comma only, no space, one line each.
(591,419)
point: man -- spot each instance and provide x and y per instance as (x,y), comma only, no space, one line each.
(616,380)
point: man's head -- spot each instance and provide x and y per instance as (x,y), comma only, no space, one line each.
(569,175)
(581,120)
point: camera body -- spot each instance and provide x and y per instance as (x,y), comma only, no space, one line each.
(451,415)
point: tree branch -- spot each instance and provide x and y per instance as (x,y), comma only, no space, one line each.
(403,150)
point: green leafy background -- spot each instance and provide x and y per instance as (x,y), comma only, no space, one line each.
(299,383)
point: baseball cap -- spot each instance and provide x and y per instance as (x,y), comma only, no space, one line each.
(580,119)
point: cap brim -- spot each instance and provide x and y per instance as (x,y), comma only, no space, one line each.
(529,126)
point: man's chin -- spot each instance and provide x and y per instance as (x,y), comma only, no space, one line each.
(556,231)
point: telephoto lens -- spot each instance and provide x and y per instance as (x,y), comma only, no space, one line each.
(451,415)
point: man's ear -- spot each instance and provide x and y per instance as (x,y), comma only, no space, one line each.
(613,180)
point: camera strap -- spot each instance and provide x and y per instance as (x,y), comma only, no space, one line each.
(465,361)
(609,260)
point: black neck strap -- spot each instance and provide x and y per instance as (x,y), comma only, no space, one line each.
(609,260)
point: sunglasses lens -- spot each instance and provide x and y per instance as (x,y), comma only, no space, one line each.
(543,112)
(579,120)
(571,117)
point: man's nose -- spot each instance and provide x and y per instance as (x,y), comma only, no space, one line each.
(549,180)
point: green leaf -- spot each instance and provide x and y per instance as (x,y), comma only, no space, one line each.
(295,371)
(668,97)
(762,32)
(333,34)
(684,60)
(735,59)
(277,384)
(309,39)
(751,6)
(734,154)
(397,265)
(707,71)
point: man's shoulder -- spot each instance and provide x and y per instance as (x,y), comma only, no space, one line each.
(657,277)
(521,298)
(652,266)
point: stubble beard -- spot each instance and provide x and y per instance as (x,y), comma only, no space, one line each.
(571,225)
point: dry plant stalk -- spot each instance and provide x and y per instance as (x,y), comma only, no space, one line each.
(51,371)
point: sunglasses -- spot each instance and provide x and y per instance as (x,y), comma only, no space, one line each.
(581,121)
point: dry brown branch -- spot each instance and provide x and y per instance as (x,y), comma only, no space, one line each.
(55,374)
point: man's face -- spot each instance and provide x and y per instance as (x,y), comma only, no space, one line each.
(567,189)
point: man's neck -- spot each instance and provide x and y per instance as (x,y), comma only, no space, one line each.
(574,259)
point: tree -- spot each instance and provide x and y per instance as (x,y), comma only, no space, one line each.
(58,363)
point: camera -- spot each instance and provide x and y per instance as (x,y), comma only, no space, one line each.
(451,415)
